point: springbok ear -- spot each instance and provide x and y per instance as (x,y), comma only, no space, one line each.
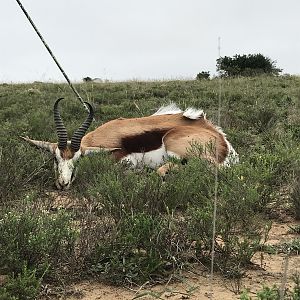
(51,147)
(90,150)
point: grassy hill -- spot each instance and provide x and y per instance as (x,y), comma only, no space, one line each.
(120,225)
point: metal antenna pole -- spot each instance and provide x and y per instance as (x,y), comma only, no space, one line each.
(52,55)
(216,187)
(284,276)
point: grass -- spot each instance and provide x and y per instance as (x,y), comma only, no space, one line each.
(274,292)
(129,226)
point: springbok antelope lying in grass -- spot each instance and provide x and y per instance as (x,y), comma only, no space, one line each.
(170,132)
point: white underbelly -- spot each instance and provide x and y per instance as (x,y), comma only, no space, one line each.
(151,159)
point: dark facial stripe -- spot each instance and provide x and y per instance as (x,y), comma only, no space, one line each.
(145,142)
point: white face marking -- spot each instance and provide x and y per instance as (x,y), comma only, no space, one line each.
(151,159)
(65,170)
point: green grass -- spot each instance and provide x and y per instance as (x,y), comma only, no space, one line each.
(274,292)
(130,226)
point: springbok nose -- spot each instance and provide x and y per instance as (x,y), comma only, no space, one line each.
(65,184)
(62,185)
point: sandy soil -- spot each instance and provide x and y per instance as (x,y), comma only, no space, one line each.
(267,269)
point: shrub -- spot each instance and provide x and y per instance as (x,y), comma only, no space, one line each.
(146,226)
(142,249)
(87,79)
(26,165)
(239,229)
(295,196)
(117,188)
(203,75)
(24,286)
(246,65)
(36,239)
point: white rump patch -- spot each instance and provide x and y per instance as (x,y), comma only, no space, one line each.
(171,109)
(232,157)
(193,113)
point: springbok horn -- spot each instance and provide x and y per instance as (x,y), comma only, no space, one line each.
(80,132)
(40,144)
(60,127)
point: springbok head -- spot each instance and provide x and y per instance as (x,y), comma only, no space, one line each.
(65,152)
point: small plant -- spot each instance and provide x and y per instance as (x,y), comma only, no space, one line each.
(269,293)
(273,293)
(292,247)
(295,196)
(296,289)
(24,286)
(295,229)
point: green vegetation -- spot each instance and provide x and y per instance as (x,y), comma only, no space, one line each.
(247,65)
(35,238)
(203,75)
(274,293)
(125,225)
(24,286)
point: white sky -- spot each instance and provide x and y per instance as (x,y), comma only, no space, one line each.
(143,39)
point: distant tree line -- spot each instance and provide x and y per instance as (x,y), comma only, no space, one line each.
(246,65)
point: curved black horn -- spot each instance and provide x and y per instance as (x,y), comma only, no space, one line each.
(60,127)
(80,132)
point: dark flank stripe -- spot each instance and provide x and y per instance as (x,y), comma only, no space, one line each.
(144,142)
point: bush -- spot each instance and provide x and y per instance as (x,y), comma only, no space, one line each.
(143,248)
(203,75)
(139,244)
(295,196)
(239,228)
(29,169)
(38,240)
(246,65)
(24,286)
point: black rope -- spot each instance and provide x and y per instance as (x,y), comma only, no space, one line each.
(52,55)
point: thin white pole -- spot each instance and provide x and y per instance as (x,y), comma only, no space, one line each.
(216,185)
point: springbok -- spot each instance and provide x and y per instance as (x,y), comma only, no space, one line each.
(170,132)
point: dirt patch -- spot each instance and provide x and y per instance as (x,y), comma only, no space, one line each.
(267,269)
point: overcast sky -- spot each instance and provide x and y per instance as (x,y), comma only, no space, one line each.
(143,39)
